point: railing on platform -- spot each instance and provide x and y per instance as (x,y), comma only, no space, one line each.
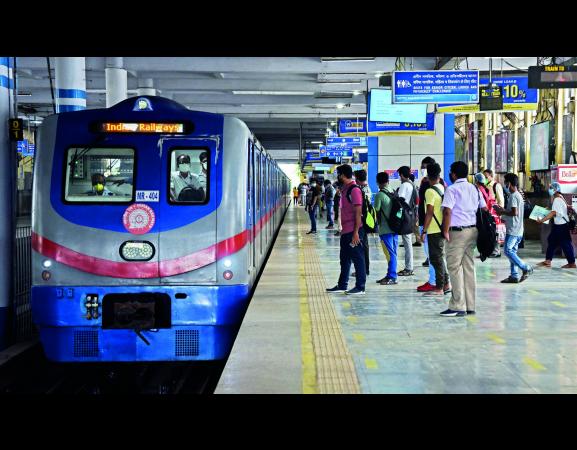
(22,326)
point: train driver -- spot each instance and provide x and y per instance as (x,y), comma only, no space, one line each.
(203,157)
(99,185)
(185,182)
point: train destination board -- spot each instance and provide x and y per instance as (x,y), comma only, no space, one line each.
(123,127)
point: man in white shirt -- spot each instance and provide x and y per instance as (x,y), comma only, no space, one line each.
(408,192)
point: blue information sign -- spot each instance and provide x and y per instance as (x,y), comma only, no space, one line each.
(348,142)
(352,127)
(436,86)
(388,128)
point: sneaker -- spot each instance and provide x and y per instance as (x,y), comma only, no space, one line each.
(406,273)
(470,313)
(427,287)
(417,244)
(311,232)
(526,274)
(494,255)
(510,279)
(355,291)
(451,313)
(336,289)
(329,227)
(569,266)
(387,281)
(434,292)
(447,289)
(337,233)
(426,263)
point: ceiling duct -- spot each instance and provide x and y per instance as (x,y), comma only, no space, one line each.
(333,94)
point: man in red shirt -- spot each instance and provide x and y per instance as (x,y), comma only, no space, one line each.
(352,234)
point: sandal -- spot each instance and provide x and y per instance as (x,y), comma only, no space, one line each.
(544,264)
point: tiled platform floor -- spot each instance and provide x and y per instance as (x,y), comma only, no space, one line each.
(523,338)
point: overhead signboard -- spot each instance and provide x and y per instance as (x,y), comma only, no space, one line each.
(382,108)
(391,129)
(436,86)
(491,98)
(553,77)
(352,127)
(349,142)
(16,129)
(517,96)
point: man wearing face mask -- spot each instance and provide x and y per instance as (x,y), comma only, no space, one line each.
(183,178)
(204,165)
(313,198)
(99,185)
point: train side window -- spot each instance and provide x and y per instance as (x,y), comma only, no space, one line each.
(189,175)
(102,175)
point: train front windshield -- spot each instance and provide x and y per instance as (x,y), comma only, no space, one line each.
(103,175)
(189,175)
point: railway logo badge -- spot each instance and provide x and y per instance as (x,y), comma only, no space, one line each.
(142,104)
(138,218)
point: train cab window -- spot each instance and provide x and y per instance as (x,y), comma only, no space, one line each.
(103,175)
(189,170)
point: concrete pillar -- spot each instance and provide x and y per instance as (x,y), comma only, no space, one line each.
(116,81)
(145,87)
(6,197)
(70,74)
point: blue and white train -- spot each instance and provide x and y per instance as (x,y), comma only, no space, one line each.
(150,225)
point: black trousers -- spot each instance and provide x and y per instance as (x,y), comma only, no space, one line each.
(436,243)
(365,240)
(560,237)
(352,255)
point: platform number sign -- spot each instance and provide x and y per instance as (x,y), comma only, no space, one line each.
(16,129)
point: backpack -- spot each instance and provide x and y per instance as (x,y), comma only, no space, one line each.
(487,232)
(368,211)
(402,217)
(572,215)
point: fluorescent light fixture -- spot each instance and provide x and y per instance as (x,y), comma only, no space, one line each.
(340,105)
(317,142)
(333,123)
(379,74)
(338,82)
(273,92)
(356,92)
(24,94)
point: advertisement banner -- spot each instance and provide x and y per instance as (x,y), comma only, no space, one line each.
(436,86)
(352,127)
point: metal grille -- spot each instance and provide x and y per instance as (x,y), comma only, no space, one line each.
(186,343)
(85,343)
(23,329)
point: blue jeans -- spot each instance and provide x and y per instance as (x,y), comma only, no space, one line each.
(356,255)
(329,204)
(432,276)
(312,216)
(511,246)
(390,242)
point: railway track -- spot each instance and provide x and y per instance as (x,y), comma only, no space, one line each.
(31,373)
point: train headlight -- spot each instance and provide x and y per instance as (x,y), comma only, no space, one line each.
(137,251)
(227,263)
(46,264)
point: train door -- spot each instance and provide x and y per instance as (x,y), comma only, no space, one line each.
(191,177)
(250,212)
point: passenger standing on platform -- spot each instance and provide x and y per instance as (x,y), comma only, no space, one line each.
(313,198)
(560,235)
(303,194)
(337,205)
(409,193)
(329,200)
(495,186)
(361,179)
(389,240)
(352,233)
(433,198)
(416,232)
(488,196)
(295,195)
(460,204)
(425,184)
(513,217)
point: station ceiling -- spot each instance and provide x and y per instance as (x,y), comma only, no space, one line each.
(273,95)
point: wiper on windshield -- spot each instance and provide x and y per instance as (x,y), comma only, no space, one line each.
(85,150)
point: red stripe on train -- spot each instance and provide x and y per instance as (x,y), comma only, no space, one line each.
(166,268)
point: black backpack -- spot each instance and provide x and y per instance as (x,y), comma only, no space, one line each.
(487,232)
(401,220)
(368,211)
(527,206)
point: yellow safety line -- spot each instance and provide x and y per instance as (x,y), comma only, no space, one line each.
(346,305)
(358,337)
(497,339)
(559,304)
(472,319)
(352,319)
(334,371)
(309,375)
(534,364)
(533,291)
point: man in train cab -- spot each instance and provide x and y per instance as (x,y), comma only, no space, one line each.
(203,157)
(185,185)
(99,185)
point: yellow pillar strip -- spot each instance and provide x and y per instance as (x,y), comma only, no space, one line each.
(309,370)
(559,126)
(559,304)
(534,364)
(371,363)
(334,371)
(497,339)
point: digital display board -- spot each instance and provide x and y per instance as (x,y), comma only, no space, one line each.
(436,86)
(141,127)
(553,77)
(382,109)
